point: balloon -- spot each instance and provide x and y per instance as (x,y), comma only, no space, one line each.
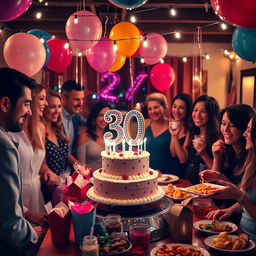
(12,9)
(25,53)
(156,48)
(60,58)
(119,62)
(162,76)
(125,30)
(102,56)
(128,4)
(87,29)
(244,43)
(141,42)
(236,12)
(42,34)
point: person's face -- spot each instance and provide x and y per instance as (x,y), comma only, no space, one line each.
(200,115)
(231,134)
(155,110)
(73,101)
(179,110)
(41,102)
(100,123)
(21,111)
(52,111)
(248,137)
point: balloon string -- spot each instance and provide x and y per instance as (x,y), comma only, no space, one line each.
(105,26)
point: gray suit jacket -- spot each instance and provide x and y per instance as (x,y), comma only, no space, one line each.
(15,231)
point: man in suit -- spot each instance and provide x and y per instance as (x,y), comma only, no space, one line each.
(72,94)
(17,236)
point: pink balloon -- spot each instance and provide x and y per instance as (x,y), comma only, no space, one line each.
(25,53)
(162,76)
(60,58)
(102,56)
(12,9)
(156,48)
(87,28)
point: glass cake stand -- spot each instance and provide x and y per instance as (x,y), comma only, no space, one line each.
(153,214)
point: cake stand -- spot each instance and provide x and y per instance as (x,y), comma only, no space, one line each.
(153,214)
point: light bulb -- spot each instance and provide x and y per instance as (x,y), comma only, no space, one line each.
(177,35)
(184,59)
(66,45)
(38,15)
(133,19)
(173,12)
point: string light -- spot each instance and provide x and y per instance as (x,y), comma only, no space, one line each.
(145,42)
(173,12)
(184,59)
(75,19)
(40,1)
(38,15)
(42,39)
(177,35)
(46,4)
(207,56)
(223,26)
(133,19)
(161,60)
(115,46)
(142,60)
(53,36)
(66,45)
(79,54)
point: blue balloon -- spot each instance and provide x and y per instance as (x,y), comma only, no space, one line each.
(244,43)
(128,4)
(42,34)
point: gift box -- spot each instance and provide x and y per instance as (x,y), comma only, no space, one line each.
(59,222)
(83,217)
(77,189)
(82,170)
(180,220)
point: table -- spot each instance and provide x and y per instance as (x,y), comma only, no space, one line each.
(70,249)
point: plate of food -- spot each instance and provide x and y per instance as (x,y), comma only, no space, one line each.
(176,193)
(203,189)
(113,245)
(167,178)
(215,227)
(178,249)
(230,243)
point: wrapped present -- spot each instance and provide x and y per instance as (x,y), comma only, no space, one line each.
(180,218)
(81,169)
(83,217)
(77,189)
(59,222)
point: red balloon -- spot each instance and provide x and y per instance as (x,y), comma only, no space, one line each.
(240,13)
(162,76)
(60,58)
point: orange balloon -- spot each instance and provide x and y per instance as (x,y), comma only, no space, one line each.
(120,60)
(126,30)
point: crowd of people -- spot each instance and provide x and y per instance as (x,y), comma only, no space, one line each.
(43,134)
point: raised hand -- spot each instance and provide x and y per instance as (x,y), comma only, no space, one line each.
(218,148)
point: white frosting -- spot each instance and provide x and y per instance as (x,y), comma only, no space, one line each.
(132,177)
(125,155)
(159,194)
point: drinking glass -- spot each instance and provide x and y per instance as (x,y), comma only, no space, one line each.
(139,235)
(202,206)
(114,223)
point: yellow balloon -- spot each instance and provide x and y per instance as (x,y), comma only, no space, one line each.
(120,60)
(126,30)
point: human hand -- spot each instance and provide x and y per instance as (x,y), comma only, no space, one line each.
(218,148)
(230,191)
(38,218)
(51,178)
(209,175)
(199,144)
(219,214)
(40,231)
(174,127)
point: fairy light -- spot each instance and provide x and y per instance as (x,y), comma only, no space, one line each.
(207,56)
(145,42)
(161,60)
(177,35)
(40,1)
(226,52)
(79,54)
(196,78)
(42,39)
(173,12)
(133,19)
(53,36)
(75,19)
(184,59)
(223,26)
(66,45)
(46,4)
(38,15)
(142,60)
(115,46)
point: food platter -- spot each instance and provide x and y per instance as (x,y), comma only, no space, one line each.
(233,227)
(167,178)
(203,189)
(209,241)
(165,188)
(203,251)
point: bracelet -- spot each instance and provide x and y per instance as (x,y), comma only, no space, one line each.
(241,198)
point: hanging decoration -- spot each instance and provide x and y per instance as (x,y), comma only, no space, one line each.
(25,53)
(137,83)
(153,48)
(128,4)
(244,43)
(130,36)
(83,29)
(162,76)
(236,12)
(12,9)
(113,80)
(102,56)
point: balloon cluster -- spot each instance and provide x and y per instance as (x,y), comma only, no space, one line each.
(242,15)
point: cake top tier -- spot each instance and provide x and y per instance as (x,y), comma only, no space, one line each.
(125,154)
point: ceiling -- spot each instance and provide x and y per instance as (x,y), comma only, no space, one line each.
(153,17)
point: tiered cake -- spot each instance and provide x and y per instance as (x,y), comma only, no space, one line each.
(125,179)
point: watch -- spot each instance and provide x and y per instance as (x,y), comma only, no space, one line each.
(241,198)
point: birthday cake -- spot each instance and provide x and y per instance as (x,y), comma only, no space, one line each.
(125,179)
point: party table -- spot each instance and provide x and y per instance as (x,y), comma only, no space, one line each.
(71,249)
